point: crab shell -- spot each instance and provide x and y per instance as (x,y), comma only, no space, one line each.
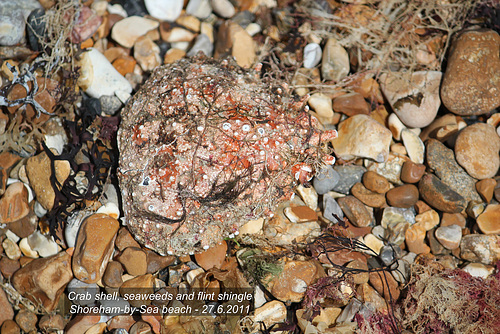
(206,146)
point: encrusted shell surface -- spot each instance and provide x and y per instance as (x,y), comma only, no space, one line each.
(206,146)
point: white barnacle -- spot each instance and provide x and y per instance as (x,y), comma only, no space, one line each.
(261,131)
(151,207)
(206,247)
(246,127)
(199,128)
(226,126)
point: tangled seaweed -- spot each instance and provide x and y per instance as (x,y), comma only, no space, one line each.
(95,138)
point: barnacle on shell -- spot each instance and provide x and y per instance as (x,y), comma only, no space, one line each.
(206,146)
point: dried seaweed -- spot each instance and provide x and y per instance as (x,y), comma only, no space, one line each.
(95,138)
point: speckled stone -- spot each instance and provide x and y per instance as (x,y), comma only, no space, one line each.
(476,150)
(325,180)
(376,182)
(480,248)
(356,211)
(471,83)
(360,136)
(370,198)
(442,160)
(180,197)
(349,176)
(440,196)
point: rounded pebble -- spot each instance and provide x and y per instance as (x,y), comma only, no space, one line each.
(403,196)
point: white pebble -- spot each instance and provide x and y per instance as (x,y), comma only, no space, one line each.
(312,55)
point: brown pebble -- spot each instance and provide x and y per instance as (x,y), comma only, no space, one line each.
(376,182)
(141,327)
(421,206)
(412,172)
(439,195)
(113,275)
(355,211)
(351,104)
(125,64)
(157,262)
(385,284)
(124,239)
(361,276)
(415,239)
(404,196)
(368,197)
(7,310)
(10,327)
(14,203)
(8,267)
(50,322)
(26,320)
(453,219)
(124,321)
(485,188)
(134,260)
(213,257)
(489,220)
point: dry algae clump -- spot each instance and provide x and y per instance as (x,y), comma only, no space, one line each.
(206,146)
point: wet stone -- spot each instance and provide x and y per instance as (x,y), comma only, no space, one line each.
(415,239)
(412,172)
(440,196)
(356,211)
(442,160)
(375,182)
(94,247)
(403,196)
(368,197)
(348,177)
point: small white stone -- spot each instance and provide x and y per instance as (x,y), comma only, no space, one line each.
(26,249)
(335,64)
(56,142)
(165,10)
(128,30)
(111,209)
(259,297)
(253,29)
(223,8)
(98,77)
(374,243)
(312,55)
(321,104)
(396,126)
(479,270)
(178,34)
(414,146)
(39,210)
(44,245)
(199,8)
(270,313)
(12,236)
(309,196)
(117,9)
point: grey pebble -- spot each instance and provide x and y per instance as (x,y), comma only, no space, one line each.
(202,43)
(110,104)
(325,180)
(348,176)
(331,208)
